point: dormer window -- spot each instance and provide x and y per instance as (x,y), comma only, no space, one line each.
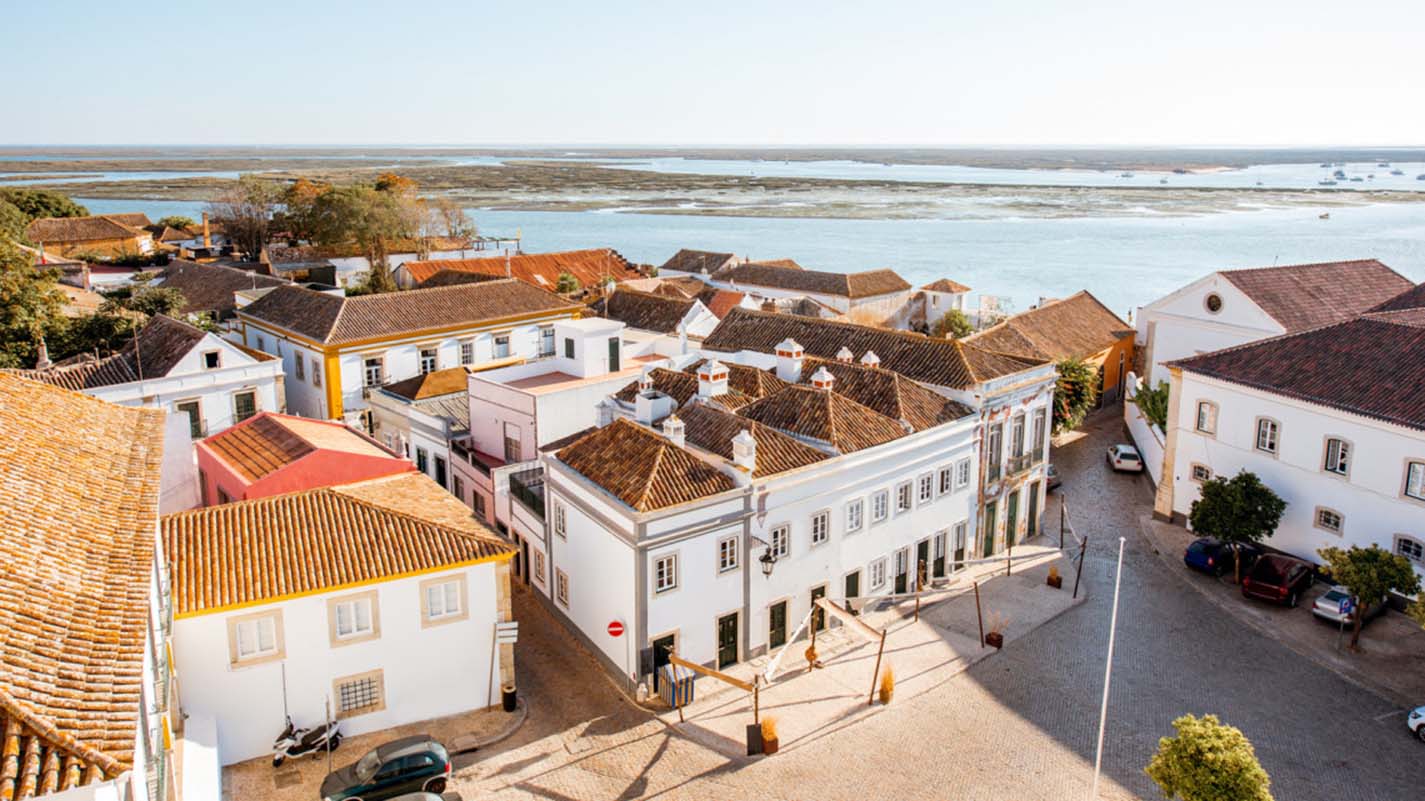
(212,359)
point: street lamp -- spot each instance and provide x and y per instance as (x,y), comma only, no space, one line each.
(767,559)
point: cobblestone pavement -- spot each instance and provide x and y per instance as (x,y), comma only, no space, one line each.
(1020,725)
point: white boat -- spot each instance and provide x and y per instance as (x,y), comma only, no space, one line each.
(1327,182)
(1325,215)
(1397,172)
(1125,175)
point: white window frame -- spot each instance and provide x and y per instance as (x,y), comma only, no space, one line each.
(962,473)
(254,625)
(1269,433)
(354,603)
(539,566)
(959,540)
(876,573)
(1409,547)
(434,613)
(880,506)
(368,364)
(561,520)
(1193,472)
(561,587)
(1319,520)
(1338,464)
(433,358)
(781,541)
(924,489)
(821,527)
(665,573)
(945,481)
(1414,468)
(905,497)
(855,516)
(546,333)
(256,404)
(467,351)
(728,558)
(495,346)
(1210,428)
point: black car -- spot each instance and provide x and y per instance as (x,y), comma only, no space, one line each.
(408,765)
(1215,557)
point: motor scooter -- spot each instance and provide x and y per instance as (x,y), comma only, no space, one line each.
(294,741)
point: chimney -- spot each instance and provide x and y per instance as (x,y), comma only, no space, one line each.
(823,379)
(768,305)
(652,406)
(789,361)
(207,238)
(673,430)
(645,380)
(744,451)
(43,362)
(683,338)
(712,379)
(871,359)
(845,355)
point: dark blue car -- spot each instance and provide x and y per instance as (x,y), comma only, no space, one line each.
(1215,557)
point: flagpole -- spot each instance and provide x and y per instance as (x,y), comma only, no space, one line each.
(1107,674)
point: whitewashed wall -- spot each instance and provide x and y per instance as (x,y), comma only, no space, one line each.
(1179,325)
(1147,436)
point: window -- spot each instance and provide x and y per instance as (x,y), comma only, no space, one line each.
(962,474)
(1410,548)
(502,346)
(442,600)
(353,618)
(261,343)
(561,521)
(995,449)
(879,503)
(854,513)
(316,373)
(440,471)
(300,365)
(359,694)
(1201,473)
(479,505)
(1213,302)
(244,405)
(512,443)
(429,360)
(946,479)
(457,487)
(1207,417)
(1329,520)
(781,541)
(877,571)
(1267,432)
(726,554)
(903,497)
(212,359)
(1415,480)
(665,573)
(422,459)
(373,371)
(467,352)
(255,638)
(568,348)
(925,488)
(546,341)
(561,587)
(539,566)
(194,410)
(1338,457)
(1038,443)
(1016,436)
(820,527)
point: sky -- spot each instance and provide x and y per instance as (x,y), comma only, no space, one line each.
(775,72)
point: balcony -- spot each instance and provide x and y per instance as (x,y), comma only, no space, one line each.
(470,456)
(527,487)
(992,471)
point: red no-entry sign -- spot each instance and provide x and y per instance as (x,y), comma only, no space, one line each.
(616,628)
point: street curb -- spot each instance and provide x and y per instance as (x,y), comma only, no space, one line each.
(1384,693)
(459,745)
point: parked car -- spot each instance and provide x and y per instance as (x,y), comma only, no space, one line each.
(400,767)
(1416,722)
(1328,607)
(1124,458)
(1278,578)
(1053,481)
(1215,557)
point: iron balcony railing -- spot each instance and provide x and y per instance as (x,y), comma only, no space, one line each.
(468,456)
(527,487)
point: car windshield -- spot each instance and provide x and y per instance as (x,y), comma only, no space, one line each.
(1335,596)
(367,766)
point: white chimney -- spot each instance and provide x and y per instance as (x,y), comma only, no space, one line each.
(645,380)
(789,361)
(744,451)
(712,379)
(650,407)
(871,359)
(823,379)
(845,355)
(673,430)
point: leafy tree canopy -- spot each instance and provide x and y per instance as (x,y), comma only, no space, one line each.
(953,324)
(1208,761)
(37,203)
(13,223)
(177,221)
(30,306)
(1153,403)
(1369,573)
(1237,509)
(1417,610)
(1074,394)
(245,211)
(566,284)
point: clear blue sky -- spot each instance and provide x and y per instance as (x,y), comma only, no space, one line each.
(1208,72)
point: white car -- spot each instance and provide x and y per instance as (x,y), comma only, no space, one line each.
(1125,458)
(1415,721)
(1328,607)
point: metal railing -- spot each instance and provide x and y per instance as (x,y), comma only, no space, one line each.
(527,487)
(468,456)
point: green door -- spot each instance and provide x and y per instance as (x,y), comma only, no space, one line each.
(727,640)
(987,531)
(1011,518)
(777,630)
(818,615)
(613,354)
(662,647)
(1033,522)
(853,587)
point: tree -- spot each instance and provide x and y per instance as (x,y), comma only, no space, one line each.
(1369,574)
(567,284)
(245,211)
(1074,394)
(13,223)
(1153,403)
(30,305)
(299,200)
(177,221)
(37,203)
(1417,610)
(368,218)
(454,222)
(953,324)
(1208,761)
(152,300)
(1236,510)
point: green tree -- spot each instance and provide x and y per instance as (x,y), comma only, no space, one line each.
(567,284)
(1236,510)
(1208,761)
(1369,574)
(1153,403)
(368,218)
(1417,610)
(299,212)
(30,306)
(245,211)
(100,333)
(153,300)
(177,221)
(1074,394)
(13,223)
(953,324)
(37,203)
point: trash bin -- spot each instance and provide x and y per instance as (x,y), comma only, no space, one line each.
(675,685)
(507,697)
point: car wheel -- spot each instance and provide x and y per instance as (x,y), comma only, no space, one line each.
(1291,600)
(436,786)
(1420,732)
(278,760)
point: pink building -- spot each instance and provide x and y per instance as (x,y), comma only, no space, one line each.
(271,454)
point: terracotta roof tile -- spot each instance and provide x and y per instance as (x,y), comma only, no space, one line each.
(436,382)
(697,261)
(268,442)
(720,301)
(1076,327)
(1304,296)
(849,285)
(746,379)
(711,428)
(825,416)
(80,501)
(161,345)
(288,256)
(641,468)
(319,540)
(681,387)
(84,229)
(589,267)
(644,310)
(210,287)
(887,392)
(946,285)
(784,263)
(1413,298)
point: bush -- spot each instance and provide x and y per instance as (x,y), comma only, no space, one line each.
(1208,761)
(953,325)
(1074,394)
(567,284)
(1153,403)
(888,684)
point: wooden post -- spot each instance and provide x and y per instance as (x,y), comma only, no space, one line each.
(1009,559)
(1063,515)
(1078,573)
(678,694)
(978,615)
(876,674)
(756,704)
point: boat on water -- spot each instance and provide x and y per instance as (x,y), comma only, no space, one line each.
(1358,180)
(1383,164)
(1125,175)
(1325,215)
(1397,172)
(1162,180)
(1327,182)
(1326,166)
(1339,174)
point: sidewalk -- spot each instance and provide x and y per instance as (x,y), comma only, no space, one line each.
(1393,645)
(810,703)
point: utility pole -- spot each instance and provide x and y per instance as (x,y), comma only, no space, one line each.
(1107,674)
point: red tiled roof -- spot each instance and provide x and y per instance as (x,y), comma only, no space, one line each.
(720,301)
(849,285)
(1072,328)
(642,469)
(696,261)
(264,444)
(1303,296)
(887,392)
(589,267)
(946,285)
(712,428)
(825,416)
(85,229)
(644,310)
(1413,298)
(160,345)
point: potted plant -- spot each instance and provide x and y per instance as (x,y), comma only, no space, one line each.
(994,634)
(769,736)
(811,656)
(1054,580)
(888,684)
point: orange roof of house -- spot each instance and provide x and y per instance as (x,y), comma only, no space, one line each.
(268,442)
(1075,327)
(589,267)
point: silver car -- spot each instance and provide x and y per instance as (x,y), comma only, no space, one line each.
(1125,458)
(1416,722)
(1328,607)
